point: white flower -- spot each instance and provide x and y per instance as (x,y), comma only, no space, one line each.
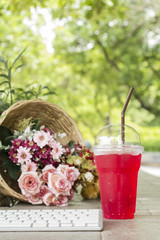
(89,176)
(72,150)
(16,133)
(23,155)
(41,138)
(37,159)
(61,135)
(51,140)
(54,135)
(27,130)
(57,150)
(7,147)
(29,166)
(42,127)
(27,134)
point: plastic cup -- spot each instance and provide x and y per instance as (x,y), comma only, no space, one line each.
(118,165)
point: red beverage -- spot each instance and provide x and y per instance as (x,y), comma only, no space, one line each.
(118,174)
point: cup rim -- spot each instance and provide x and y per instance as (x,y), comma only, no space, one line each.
(117,148)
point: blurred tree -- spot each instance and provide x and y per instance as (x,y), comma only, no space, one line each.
(115,43)
(92,51)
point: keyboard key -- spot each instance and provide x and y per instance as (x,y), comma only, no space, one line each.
(66,224)
(81,224)
(53,224)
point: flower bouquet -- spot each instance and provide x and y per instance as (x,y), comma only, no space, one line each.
(47,171)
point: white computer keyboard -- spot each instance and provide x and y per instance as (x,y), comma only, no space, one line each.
(51,220)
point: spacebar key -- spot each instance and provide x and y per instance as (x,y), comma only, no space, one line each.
(39,224)
(15,225)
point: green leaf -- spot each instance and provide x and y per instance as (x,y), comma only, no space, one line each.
(13,171)
(71,144)
(12,91)
(6,64)
(35,124)
(8,140)
(6,161)
(49,93)
(4,154)
(23,93)
(4,133)
(19,67)
(4,75)
(45,87)
(21,53)
(9,74)
(4,83)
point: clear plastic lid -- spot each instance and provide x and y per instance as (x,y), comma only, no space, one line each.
(109,139)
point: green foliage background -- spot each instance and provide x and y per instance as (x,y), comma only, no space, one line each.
(91,54)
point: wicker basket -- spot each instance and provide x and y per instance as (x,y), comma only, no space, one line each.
(51,116)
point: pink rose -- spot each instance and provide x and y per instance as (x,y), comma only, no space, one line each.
(46,170)
(60,201)
(71,173)
(43,190)
(29,183)
(35,199)
(48,198)
(58,184)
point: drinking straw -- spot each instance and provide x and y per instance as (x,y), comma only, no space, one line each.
(123,115)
